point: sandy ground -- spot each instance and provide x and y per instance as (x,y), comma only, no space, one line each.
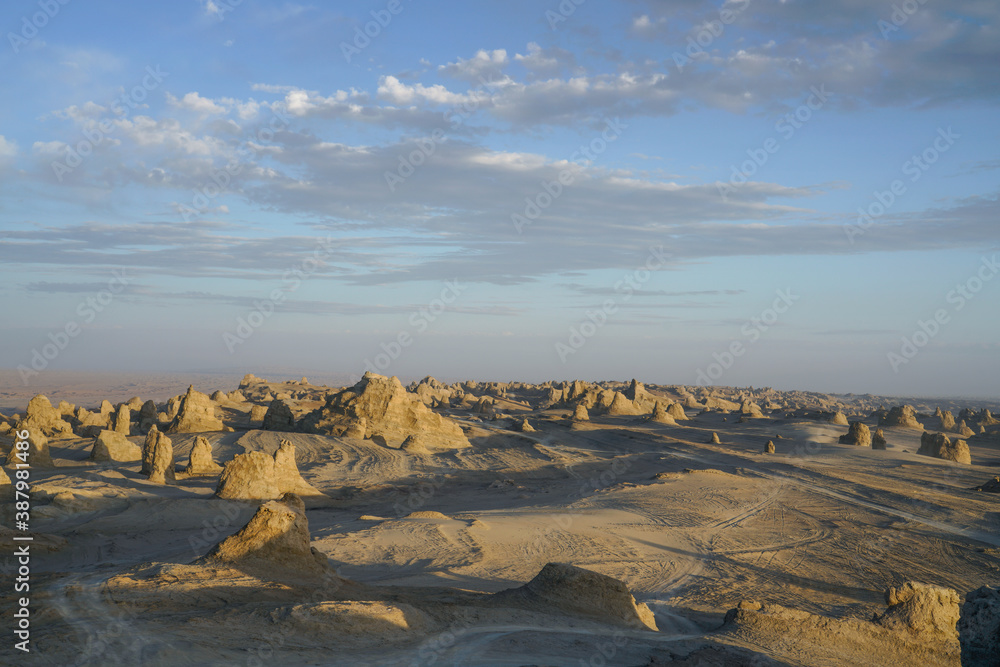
(692,528)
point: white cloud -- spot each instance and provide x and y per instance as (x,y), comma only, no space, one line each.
(8,148)
(194,102)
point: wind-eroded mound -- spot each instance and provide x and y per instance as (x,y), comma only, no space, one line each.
(918,628)
(196,414)
(383,408)
(571,590)
(256,476)
(901,415)
(275,538)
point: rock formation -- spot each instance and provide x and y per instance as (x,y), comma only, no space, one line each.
(41,417)
(661,416)
(839,418)
(275,538)
(574,591)
(257,414)
(878,440)
(387,410)
(714,439)
(963,430)
(979,627)
(278,417)
(123,420)
(580,413)
(37,453)
(858,434)
(620,405)
(901,415)
(523,426)
(158,457)
(676,410)
(255,475)
(769,447)
(113,446)
(196,414)
(939,446)
(200,461)
(751,409)
(147,416)
(921,609)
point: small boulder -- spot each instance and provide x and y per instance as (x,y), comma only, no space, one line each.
(769,447)
(714,439)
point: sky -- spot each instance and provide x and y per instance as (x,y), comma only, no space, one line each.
(751,193)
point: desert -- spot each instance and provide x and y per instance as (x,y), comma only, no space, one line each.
(572,333)
(506,523)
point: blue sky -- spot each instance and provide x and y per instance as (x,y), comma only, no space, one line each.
(283,194)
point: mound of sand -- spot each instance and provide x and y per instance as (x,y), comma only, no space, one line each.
(196,414)
(571,590)
(113,446)
(387,410)
(979,627)
(939,446)
(901,415)
(921,609)
(858,434)
(255,476)
(839,418)
(276,539)
(158,457)
(200,461)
